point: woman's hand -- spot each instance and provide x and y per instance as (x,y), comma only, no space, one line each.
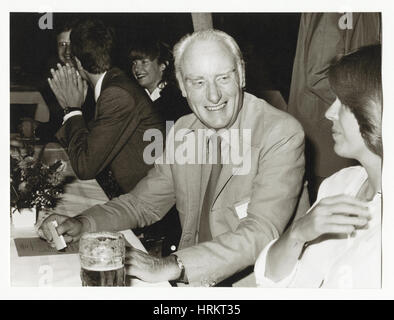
(338,214)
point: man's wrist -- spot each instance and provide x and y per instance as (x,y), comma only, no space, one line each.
(72,114)
(179,275)
(68,109)
(85,224)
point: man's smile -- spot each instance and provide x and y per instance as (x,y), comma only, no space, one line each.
(216,108)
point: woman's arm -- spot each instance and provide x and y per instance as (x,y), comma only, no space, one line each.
(338,215)
(283,256)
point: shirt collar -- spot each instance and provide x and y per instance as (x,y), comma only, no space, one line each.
(225,134)
(97,88)
(155,94)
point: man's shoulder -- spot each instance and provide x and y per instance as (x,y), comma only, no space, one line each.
(118,86)
(260,115)
(116,78)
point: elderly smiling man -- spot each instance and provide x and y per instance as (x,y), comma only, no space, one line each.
(227,217)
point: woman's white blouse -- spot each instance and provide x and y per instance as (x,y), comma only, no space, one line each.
(336,261)
(155,94)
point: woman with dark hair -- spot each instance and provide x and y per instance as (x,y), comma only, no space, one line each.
(336,244)
(153,68)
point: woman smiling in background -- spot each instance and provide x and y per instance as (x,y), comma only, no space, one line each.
(152,66)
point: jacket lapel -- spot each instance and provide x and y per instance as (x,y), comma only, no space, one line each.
(197,176)
(104,85)
(225,176)
(229,170)
(205,170)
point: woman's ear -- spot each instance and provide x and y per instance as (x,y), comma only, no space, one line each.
(163,65)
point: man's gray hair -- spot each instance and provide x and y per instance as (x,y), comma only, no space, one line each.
(210,34)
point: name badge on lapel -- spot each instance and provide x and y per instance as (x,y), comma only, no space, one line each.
(241,208)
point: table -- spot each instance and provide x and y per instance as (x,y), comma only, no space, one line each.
(64,269)
(28,95)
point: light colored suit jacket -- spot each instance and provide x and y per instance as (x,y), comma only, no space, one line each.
(271,190)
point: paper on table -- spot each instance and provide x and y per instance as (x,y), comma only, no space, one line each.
(29,247)
(37,247)
(132,239)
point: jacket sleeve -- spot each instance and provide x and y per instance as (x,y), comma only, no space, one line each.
(91,149)
(275,191)
(147,203)
(321,39)
(322,43)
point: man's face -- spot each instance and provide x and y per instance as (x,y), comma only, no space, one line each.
(211,83)
(63,46)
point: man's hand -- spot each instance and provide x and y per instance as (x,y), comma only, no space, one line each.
(70,228)
(68,86)
(149,268)
(338,214)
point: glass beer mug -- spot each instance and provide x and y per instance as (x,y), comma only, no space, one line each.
(102,256)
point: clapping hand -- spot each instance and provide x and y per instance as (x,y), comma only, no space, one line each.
(68,86)
(337,215)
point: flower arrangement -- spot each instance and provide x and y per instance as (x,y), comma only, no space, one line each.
(35,184)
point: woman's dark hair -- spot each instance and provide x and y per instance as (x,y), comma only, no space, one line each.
(155,49)
(92,43)
(356,80)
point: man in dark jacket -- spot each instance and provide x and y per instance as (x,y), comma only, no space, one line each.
(46,131)
(113,140)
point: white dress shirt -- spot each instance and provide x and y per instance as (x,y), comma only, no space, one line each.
(336,261)
(155,94)
(97,87)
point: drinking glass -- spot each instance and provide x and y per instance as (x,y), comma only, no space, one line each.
(102,256)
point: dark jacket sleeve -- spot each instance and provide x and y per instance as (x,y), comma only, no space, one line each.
(91,150)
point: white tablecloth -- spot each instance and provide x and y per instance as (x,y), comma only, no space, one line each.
(63,269)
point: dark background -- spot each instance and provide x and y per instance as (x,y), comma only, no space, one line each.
(267,40)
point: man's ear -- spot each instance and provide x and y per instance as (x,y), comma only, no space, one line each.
(81,70)
(243,81)
(78,64)
(179,79)
(182,87)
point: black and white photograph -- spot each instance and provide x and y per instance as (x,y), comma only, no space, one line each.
(173,149)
